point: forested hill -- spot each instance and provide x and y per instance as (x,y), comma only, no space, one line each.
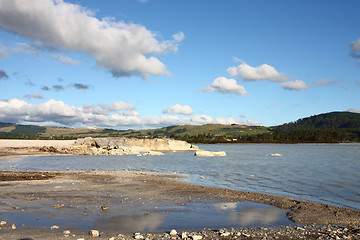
(334,127)
(326,121)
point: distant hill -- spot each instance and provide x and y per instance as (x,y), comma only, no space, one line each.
(331,127)
(334,127)
(326,121)
(210,132)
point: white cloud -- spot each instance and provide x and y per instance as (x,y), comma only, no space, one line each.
(90,115)
(117,106)
(36,95)
(65,59)
(225,85)
(263,72)
(179,109)
(178,37)
(93,109)
(124,49)
(295,85)
(354,110)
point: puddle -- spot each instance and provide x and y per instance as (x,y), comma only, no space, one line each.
(193,216)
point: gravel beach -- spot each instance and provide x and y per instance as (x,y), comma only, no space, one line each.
(86,194)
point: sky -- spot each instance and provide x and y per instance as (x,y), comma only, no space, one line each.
(136,64)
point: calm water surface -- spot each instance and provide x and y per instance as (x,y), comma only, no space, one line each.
(321,173)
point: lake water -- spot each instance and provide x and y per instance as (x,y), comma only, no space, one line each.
(321,173)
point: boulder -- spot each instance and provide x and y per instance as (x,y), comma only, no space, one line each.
(203,153)
(94,233)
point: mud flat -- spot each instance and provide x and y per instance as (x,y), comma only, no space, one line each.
(80,195)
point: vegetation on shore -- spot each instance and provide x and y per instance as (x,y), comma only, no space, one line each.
(334,127)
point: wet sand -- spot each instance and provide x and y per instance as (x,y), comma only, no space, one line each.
(81,195)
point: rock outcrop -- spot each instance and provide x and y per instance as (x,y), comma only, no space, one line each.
(203,153)
(122,146)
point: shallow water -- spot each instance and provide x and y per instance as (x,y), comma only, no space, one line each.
(145,218)
(320,173)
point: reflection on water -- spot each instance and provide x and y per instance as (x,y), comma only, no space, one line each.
(246,215)
(146,218)
(138,223)
(225,206)
(224,215)
(260,216)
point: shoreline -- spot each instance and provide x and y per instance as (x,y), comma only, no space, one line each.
(35,193)
(71,193)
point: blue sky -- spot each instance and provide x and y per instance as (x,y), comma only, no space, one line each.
(146,64)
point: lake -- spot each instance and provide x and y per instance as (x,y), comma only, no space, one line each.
(320,173)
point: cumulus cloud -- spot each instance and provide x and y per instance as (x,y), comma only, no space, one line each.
(124,49)
(36,95)
(117,106)
(90,115)
(65,59)
(179,109)
(263,72)
(3,75)
(225,85)
(295,85)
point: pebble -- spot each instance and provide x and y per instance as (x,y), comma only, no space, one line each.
(58,205)
(94,233)
(104,207)
(184,235)
(173,232)
(66,232)
(138,236)
(13,227)
(196,237)
(2,223)
(225,234)
(54,227)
